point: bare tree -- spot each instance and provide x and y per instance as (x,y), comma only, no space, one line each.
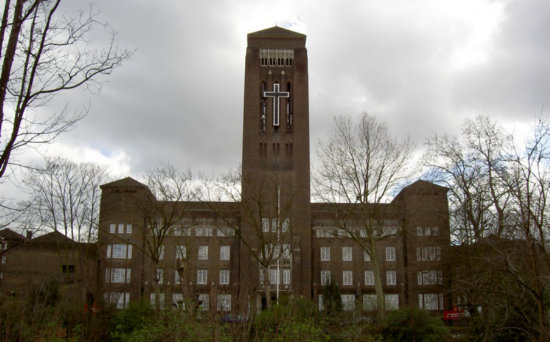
(473,166)
(264,228)
(44,54)
(64,197)
(499,191)
(361,165)
(173,190)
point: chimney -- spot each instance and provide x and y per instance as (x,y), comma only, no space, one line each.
(29,234)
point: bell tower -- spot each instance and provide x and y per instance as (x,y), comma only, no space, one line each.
(275,162)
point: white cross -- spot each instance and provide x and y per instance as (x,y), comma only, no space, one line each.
(276,95)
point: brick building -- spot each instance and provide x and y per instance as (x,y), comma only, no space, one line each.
(218,254)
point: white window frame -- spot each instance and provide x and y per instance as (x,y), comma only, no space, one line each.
(347,253)
(390,254)
(181,252)
(223,302)
(347,278)
(160,275)
(204,299)
(202,253)
(325,253)
(369,302)
(369,278)
(225,277)
(348,302)
(391,301)
(366,256)
(202,276)
(391,278)
(325,277)
(225,252)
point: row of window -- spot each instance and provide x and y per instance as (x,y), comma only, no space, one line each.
(427,231)
(273,225)
(347,254)
(122,299)
(428,253)
(223,301)
(281,277)
(204,231)
(122,251)
(357,232)
(276,57)
(347,278)
(120,228)
(391,302)
(123,276)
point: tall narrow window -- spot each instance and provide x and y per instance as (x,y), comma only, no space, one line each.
(390,253)
(224,252)
(325,253)
(346,254)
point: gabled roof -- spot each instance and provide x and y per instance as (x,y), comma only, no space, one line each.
(124,182)
(276,32)
(54,237)
(9,234)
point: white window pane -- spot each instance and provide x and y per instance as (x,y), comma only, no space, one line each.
(366,256)
(286,276)
(325,253)
(121,228)
(391,301)
(369,278)
(369,302)
(203,253)
(129,229)
(112,228)
(346,253)
(325,277)
(348,302)
(223,302)
(181,252)
(224,277)
(224,252)
(204,301)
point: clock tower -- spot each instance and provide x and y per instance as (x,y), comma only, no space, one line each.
(275,164)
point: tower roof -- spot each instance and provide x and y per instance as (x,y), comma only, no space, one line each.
(124,182)
(276,32)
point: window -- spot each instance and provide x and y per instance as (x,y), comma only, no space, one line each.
(121,228)
(348,302)
(152,300)
(391,278)
(286,225)
(273,276)
(120,299)
(181,252)
(325,277)
(203,253)
(428,253)
(430,277)
(226,231)
(128,229)
(224,252)
(224,277)
(4,260)
(177,277)
(3,245)
(202,277)
(286,276)
(430,301)
(160,275)
(286,251)
(419,231)
(369,302)
(117,275)
(346,254)
(369,278)
(161,252)
(265,224)
(366,256)
(428,231)
(392,301)
(321,306)
(177,301)
(347,278)
(112,228)
(223,302)
(390,253)
(204,301)
(435,231)
(325,253)
(119,251)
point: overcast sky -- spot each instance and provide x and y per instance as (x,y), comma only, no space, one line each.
(422,66)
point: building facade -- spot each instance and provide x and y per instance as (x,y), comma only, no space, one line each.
(274,242)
